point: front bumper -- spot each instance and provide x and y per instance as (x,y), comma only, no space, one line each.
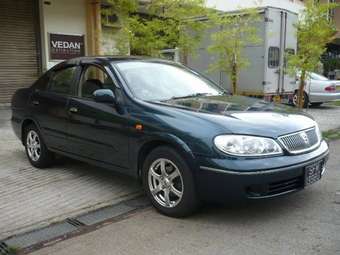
(218,180)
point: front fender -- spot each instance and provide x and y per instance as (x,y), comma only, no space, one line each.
(22,123)
(142,146)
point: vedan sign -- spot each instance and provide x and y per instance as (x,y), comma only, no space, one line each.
(66,46)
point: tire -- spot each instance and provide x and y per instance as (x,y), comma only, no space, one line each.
(305,99)
(316,104)
(36,150)
(173,181)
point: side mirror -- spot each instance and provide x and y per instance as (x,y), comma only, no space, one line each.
(104,96)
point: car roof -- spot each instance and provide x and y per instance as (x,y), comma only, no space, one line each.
(105,60)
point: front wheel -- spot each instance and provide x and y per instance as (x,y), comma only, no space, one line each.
(169,183)
(304,99)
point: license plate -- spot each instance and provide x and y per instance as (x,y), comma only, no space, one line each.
(313,173)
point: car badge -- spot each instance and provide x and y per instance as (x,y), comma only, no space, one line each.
(304,137)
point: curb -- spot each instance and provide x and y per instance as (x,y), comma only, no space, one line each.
(71,227)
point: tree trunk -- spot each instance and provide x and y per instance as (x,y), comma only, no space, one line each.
(184,59)
(301,89)
(234,79)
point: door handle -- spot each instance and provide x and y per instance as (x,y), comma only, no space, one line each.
(35,102)
(73,109)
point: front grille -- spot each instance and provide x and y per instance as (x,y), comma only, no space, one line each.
(301,141)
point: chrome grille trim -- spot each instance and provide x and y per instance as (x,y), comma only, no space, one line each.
(295,142)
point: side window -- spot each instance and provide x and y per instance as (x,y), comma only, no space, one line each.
(94,78)
(273,57)
(62,80)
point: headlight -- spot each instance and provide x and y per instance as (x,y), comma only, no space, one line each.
(250,146)
(318,131)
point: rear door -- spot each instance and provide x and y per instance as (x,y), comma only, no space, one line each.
(97,131)
(49,102)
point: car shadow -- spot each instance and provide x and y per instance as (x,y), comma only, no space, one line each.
(249,211)
(235,211)
(322,107)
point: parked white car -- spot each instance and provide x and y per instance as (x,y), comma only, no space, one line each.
(318,90)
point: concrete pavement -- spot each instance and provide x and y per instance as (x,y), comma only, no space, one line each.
(327,116)
(307,222)
(31,198)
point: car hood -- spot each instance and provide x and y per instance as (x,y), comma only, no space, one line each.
(244,115)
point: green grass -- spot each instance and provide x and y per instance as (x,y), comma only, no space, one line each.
(333,134)
(13,251)
(336,103)
(10,251)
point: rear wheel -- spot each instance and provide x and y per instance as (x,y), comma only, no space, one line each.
(169,183)
(36,150)
(304,99)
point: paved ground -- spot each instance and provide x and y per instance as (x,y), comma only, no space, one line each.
(327,116)
(307,222)
(30,197)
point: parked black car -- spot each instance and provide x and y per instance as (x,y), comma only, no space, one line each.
(187,139)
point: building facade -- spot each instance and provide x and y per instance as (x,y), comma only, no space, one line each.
(19,42)
(37,34)
(331,59)
(232,5)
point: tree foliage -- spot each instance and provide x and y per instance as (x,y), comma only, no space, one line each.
(314,31)
(237,31)
(160,24)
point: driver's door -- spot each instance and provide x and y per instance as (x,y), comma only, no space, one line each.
(97,131)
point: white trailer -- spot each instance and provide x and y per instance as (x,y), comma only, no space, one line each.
(266,75)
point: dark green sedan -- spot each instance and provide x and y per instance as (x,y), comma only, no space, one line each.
(184,137)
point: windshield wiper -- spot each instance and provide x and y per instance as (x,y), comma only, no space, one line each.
(189,96)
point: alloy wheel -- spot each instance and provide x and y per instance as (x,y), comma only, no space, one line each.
(296,99)
(33,145)
(165,183)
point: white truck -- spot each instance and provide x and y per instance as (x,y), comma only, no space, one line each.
(266,76)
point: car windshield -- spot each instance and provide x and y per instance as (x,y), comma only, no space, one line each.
(151,81)
(318,77)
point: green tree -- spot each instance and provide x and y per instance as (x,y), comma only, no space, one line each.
(122,9)
(161,24)
(237,31)
(314,31)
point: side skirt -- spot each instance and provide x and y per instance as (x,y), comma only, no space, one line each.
(115,168)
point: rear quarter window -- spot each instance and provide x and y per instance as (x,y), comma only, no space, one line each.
(61,81)
(42,82)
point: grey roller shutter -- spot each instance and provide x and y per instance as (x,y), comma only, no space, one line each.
(19,58)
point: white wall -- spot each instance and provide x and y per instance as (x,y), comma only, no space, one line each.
(231,5)
(61,16)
